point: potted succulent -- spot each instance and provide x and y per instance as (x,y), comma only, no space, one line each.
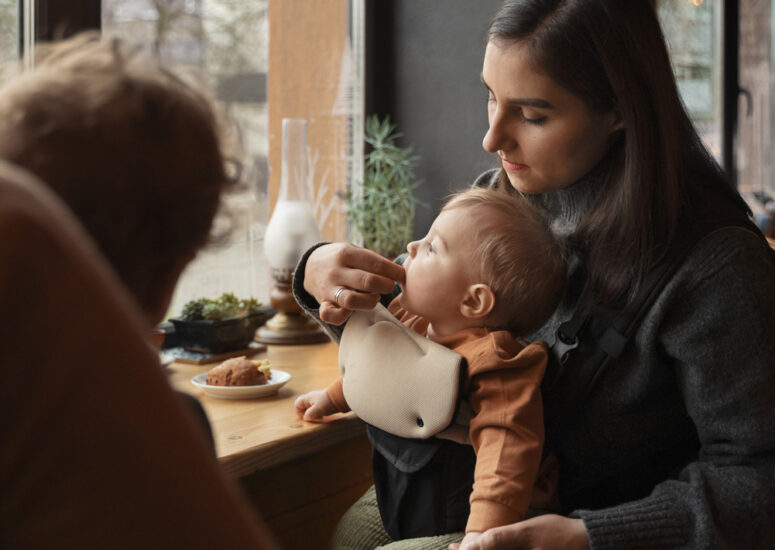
(382,211)
(224,324)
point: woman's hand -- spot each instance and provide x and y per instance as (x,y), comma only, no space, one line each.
(549,532)
(362,274)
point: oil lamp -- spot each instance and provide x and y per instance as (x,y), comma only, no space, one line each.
(292,229)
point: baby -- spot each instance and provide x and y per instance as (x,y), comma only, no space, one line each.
(488,271)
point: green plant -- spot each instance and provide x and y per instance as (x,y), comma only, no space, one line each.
(383,211)
(225,306)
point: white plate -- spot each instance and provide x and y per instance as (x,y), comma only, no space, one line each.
(276,381)
(166,359)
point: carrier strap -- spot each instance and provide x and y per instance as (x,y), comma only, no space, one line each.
(587,344)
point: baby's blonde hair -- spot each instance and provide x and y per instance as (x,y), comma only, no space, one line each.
(134,151)
(519,257)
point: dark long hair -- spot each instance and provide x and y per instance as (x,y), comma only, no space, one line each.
(612,55)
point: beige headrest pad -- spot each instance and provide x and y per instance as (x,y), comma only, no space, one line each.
(394,378)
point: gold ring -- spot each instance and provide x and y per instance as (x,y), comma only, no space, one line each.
(336,295)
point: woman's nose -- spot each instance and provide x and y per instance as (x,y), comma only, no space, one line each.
(498,137)
(488,143)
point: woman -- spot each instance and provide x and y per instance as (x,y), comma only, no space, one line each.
(674,445)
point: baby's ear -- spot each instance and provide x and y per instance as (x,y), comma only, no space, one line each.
(478,301)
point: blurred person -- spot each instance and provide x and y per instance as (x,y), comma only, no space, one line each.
(97,450)
(133,150)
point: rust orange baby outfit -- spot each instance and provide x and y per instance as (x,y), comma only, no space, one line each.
(502,385)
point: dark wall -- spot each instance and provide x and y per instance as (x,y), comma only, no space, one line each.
(424,60)
(59,19)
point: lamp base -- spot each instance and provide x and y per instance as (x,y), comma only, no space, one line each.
(290,328)
(290,325)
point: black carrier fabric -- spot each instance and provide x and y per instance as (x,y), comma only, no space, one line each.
(422,485)
(591,341)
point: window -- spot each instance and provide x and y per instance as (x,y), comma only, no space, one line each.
(693,31)
(755,137)
(316,76)
(9,37)
(225,43)
(696,31)
(317,62)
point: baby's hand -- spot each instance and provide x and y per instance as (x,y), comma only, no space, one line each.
(313,406)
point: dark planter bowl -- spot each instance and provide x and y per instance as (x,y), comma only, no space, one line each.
(217,336)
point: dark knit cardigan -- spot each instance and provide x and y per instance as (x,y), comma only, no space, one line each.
(675,447)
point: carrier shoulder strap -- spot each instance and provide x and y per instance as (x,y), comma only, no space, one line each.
(595,336)
(586,344)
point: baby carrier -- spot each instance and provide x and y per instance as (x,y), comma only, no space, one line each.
(409,399)
(410,465)
(589,343)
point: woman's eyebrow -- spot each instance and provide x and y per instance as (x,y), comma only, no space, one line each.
(530,102)
(523,101)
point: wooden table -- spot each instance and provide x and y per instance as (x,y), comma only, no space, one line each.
(301,476)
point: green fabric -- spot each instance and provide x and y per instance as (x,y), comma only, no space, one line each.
(361,529)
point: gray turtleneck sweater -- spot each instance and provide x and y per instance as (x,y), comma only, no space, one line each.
(694,388)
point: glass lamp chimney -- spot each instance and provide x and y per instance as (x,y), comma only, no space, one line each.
(292,229)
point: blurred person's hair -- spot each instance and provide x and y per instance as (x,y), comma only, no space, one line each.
(132,149)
